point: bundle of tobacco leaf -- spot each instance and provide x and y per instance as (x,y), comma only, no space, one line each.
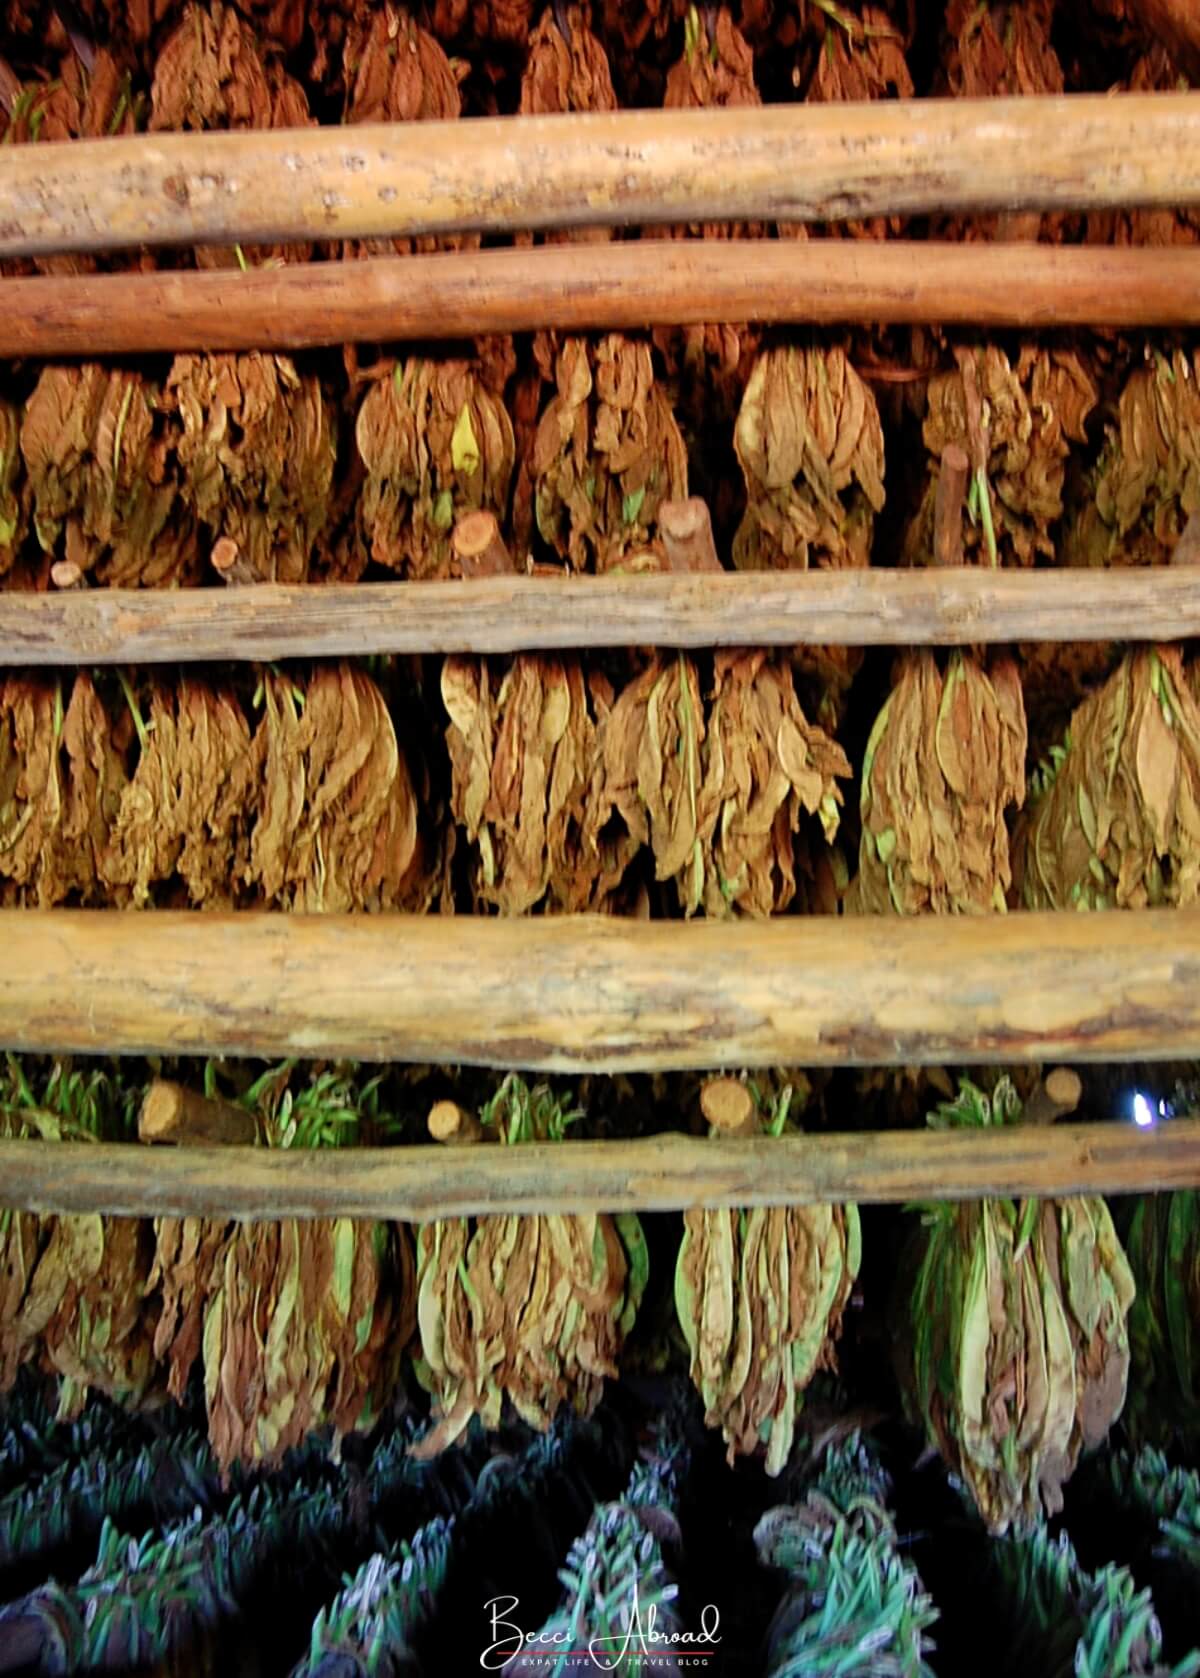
(1161,1234)
(80,102)
(1134,505)
(256,456)
(75,1287)
(999,47)
(299,1324)
(944,763)
(639,37)
(1114,814)
(1167,224)
(566,70)
(100,448)
(851,1601)
(1013,1339)
(1016,425)
(436,441)
(370,1627)
(14,493)
(398,72)
(212,73)
(480,21)
(525,752)
(606,452)
(810,445)
(532,1309)
(760,1295)
(717,793)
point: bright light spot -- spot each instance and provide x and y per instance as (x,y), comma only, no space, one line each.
(1162,1109)
(1143,1113)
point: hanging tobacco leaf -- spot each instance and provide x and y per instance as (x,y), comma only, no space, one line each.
(810,444)
(531,1309)
(1017,425)
(100,450)
(944,763)
(213,74)
(1114,815)
(436,443)
(525,753)
(14,492)
(1166,224)
(567,70)
(256,456)
(1161,1234)
(606,453)
(486,20)
(1013,1340)
(1134,506)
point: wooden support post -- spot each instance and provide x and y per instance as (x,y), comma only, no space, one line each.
(729,1107)
(1055,1097)
(949,496)
(172,1113)
(448,1122)
(479,546)
(687,535)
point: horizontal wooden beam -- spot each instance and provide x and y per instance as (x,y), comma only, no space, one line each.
(653,1174)
(625,286)
(815,162)
(264,622)
(605,994)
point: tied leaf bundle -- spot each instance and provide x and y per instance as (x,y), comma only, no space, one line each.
(606,452)
(530,1308)
(257,454)
(1146,484)
(810,445)
(1164,224)
(1162,1238)
(100,448)
(436,443)
(525,753)
(760,1295)
(1017,425)
(399,72)
(213,74)
(944,763)
(851,1602)
(566,70)
(1016,1327)
(14,494)
(1114,816)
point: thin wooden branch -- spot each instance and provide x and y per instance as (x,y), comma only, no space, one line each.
(785,162)
(625,285)
(601,993)
(652,1174)
(1177,25)
(171,1113)
(263,622)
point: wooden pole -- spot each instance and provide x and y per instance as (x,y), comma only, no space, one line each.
(171,1113)
(479,546)
(729,1108)
(621,286)
(580,993)
(802,162)
(948,506)
(268,621)
(687,535)
(652,1174)
(448,1122)
(1055,1098)
(1177,25)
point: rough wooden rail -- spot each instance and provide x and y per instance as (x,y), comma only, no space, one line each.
(598,993)
(627,286)
(263,622)
(652,1174)
(786,162)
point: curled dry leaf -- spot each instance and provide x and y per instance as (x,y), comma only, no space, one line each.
(606,453)
(760,1294)
(1114,815)
(436,443)
(398,72)
(524,753)
(810,445)
(99,448)
(504,21)
(944,763)
(256,457)
(1146,484)
(1013,1338)
(1017,425)
(213,74)
(14,492)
